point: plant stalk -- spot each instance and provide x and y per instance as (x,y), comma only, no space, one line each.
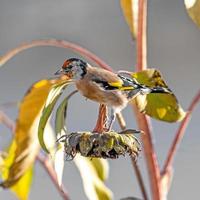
(54,43)
(101,120)
(140,179)
(180,134)
(142,120)
(46,163)
(138,173)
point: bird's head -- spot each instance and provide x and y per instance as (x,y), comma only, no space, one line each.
(74,68)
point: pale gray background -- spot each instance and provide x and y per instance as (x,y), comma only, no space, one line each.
(173,48)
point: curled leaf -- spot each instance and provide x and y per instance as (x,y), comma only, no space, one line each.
(92,179)
(60,129)
(130,11)
(54,94)
(105,145)
(61,114)
(193,9)
(161,106)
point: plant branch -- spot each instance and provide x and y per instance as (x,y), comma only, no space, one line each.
(8,105)
(54,43)
(121,121)
(139,178)
(142,120)
(4,119)
(46,163)
(149,152)
(101,120)
(138,173)
(180,134)
(142,36)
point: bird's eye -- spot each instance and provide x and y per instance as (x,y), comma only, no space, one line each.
(68,68)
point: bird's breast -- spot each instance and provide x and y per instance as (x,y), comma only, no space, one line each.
(94,92)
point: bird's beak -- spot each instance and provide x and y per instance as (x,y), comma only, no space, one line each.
(60,71)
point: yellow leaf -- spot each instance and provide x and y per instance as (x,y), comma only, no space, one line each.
(93,178)
(150,78)
(101,166)
(22,187)
(161,112)
(26,139)
(161,106)
(130,11)
(193,9)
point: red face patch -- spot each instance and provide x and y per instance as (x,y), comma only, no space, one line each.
(66,64)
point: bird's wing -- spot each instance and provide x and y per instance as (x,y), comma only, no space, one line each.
(111,81)
(105,79)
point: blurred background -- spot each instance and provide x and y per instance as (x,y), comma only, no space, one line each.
(173,48)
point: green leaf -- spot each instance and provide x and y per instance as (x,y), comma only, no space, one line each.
(61,115)
(60,129)
(50,139)
(93,178)
(52,98)
(161,106)
(193,9)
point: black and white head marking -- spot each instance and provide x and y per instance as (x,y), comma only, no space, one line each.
(77,66)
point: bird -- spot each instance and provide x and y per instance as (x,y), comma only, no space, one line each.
(105,87)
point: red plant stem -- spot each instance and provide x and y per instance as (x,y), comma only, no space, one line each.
(144,121)
(101,121)
(54,43)
(151,160)
(138,174)
(139,178)
(4,119)
(180,134)
(142,36)
(44,160)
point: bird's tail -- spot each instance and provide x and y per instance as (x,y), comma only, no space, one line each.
(133,88)
(144,90)
(160,90)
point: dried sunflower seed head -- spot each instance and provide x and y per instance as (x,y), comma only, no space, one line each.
(105,145)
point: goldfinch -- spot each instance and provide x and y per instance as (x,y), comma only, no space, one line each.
(105,87)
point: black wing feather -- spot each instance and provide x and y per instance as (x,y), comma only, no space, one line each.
(104,84)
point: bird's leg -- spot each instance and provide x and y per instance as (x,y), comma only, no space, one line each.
(111,119)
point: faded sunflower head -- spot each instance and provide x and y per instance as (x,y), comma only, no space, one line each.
(105,145)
